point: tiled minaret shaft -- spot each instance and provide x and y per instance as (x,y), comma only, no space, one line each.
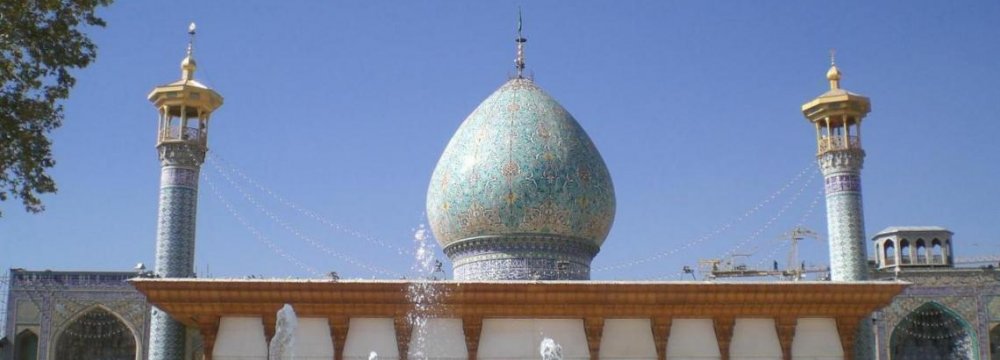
(184,108)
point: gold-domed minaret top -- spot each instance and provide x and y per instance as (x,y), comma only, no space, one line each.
(837,114)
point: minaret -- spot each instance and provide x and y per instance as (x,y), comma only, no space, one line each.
(837,115)
(184,107)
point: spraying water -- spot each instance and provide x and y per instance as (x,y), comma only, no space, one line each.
(373,356)
(421,292)
(550,350)
(283,343)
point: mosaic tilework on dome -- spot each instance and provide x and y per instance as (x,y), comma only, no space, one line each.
(520,164)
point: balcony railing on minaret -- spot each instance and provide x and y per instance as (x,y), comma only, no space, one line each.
(183,125)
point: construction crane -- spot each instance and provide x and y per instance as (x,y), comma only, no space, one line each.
(732,267)
(795,235)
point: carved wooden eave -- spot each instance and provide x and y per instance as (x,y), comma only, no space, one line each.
(200,302)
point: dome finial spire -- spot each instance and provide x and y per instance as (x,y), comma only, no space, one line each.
(834,73)
(520,40)
(188,65)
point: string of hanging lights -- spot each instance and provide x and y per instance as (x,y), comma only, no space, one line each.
(713,234)
(229,167)
(107,327)
(947,321)
(781,211)
(225,168)
(934,335)
(256,233)
(755,235)
(299,234)
(800,224)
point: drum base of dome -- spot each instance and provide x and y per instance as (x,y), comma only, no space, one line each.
(521,257)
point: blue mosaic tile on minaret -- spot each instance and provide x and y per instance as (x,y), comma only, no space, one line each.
(845,221)
(175,245)
(167,340)
(176,235)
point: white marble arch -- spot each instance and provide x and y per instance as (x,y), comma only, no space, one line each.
(240,338)
(371,334)
(521,338)
(627,339)
(443,339)
(755,339)
(692,339)
(817,339)
(312,340)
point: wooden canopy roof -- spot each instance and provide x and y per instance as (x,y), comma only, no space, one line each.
(201,303)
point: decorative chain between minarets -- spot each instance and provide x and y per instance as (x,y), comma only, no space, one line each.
(184,108)
(837,116)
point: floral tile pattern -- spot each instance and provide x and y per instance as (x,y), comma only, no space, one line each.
(521,166)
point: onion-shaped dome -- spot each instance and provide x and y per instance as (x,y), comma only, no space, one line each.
(521,191)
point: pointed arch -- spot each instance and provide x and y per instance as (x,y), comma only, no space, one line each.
(922,257)
(936,252)
(890,252)
(904,252)
(933,331)
(26,345)
(96,333)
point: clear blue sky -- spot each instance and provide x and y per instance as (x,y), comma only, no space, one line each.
(343,108)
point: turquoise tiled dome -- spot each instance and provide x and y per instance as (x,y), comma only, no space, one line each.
(521,165)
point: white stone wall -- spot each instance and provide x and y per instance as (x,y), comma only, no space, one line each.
(371,334)
(690,339)
(817,339)
(521,338)
(627,339)
(312,340)
(755,339)
(240,338)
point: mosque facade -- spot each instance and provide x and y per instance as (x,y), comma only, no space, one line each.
(521,202)
(74,315)
(948,313)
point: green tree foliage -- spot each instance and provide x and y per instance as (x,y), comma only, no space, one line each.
(40,42)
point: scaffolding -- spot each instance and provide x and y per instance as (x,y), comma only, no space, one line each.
(735,265)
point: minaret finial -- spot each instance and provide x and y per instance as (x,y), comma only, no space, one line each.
(520,40)
(191,31)
(188,65)
(834,73)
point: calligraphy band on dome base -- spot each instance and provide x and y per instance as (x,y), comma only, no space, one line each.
(521,257)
